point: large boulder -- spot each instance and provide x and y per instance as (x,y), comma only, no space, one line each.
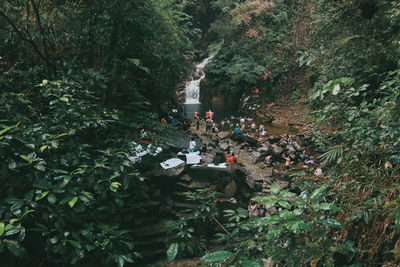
(297,146)
(265,150)
(276,150)
(223,135)
(248,139)
(274,139)
(290,149)
(255,156)
(230,189)
(224,146)
(207,158)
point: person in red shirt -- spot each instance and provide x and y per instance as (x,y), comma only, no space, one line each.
(231,160)
(227,156)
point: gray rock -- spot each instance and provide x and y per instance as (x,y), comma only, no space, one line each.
(265,149)
(186,178)
(223,135)
(255,156)
(290,148)
(230,189)
(224,146)
(274,139)
(297,146)
(276,151)
(168,172)
(207,159)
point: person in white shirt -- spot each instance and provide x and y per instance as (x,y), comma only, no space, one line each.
(192,144)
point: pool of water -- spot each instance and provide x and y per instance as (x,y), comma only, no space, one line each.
(219,114)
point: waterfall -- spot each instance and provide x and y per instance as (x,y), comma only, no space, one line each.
(193,87)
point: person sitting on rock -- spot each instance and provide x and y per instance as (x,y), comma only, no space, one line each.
(268,160)
(287,140)
(214,128)
(236,132)
(192,144)
(231,160)
(304,155)
(252,209)
(253,127)
(288,162)
(264,133)
(209,124)
(310,161)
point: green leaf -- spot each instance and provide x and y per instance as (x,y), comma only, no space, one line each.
(6,130)
(72,202)
(15,248)
(347,39)
(26,213)
(42,148)
(172,251)
(284,204)
(64,99)
(61,135)
(1,228)
(285,194)
(325,206)
(318,192)
(26,158)
(42,195)
(114,186)
(274,189)
(217,256)
(331,223)
(51,199)
(250,263)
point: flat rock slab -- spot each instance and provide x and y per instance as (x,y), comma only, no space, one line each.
(223,135)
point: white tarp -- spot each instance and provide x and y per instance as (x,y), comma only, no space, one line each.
(220,166)
(192,157)
(171,163)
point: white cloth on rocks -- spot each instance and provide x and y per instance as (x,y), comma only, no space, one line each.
(171,163)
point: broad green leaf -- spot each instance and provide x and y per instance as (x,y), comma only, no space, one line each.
(13,220)
(26,158)
(42,195)
(217,256)
(274,189)
(61,135)
(26,213)
(172,251)
(42,148)
(284,204)
(64,99)
(6,130)
(15,248)
(285,194)
(318,192)
(325,206)
(250,263)
(114,186)
(347,39)
(1,228)
(331,222)
(72,202)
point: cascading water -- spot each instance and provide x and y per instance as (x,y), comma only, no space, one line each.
(193,86)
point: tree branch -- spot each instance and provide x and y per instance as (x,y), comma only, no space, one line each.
(22,37)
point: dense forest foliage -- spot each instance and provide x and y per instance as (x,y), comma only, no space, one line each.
(79,78)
